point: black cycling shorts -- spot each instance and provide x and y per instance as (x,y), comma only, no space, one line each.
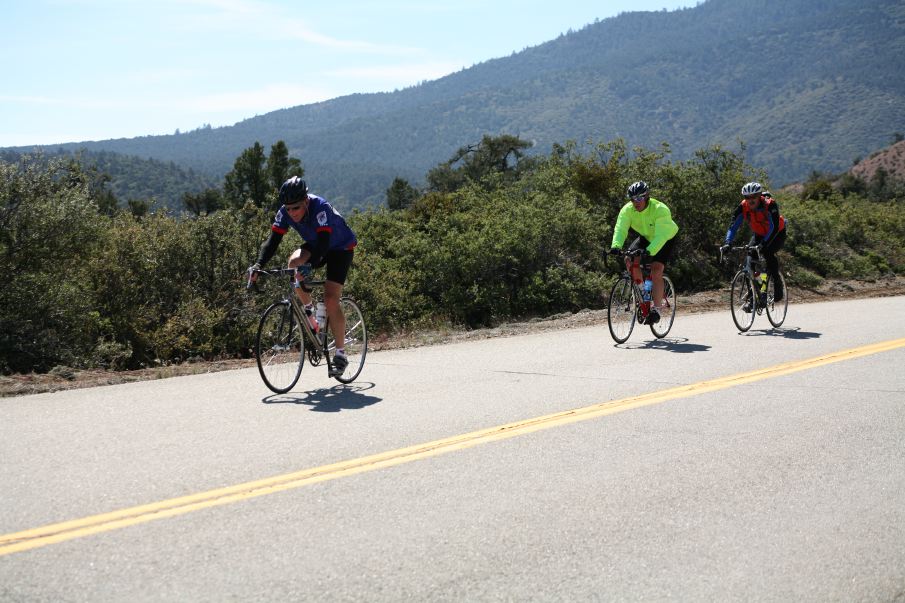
(663,256)
(338,262)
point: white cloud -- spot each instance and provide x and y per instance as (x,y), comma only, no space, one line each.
(265,19)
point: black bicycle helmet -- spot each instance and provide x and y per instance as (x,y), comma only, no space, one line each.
(293,190)
(638,188)
(752,188)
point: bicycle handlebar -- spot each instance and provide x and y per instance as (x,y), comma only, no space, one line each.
(304,270)
(746,248)
(627,254)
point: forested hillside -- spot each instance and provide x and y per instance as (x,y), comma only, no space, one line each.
(805,85)
(502,237)
(129,178)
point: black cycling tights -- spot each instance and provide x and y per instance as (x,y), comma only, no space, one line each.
(770,252)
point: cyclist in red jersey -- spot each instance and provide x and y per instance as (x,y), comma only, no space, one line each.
(760,211)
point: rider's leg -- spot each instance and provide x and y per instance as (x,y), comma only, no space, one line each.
(332,292)
(773,263)
(633,265)
(338,264)
(656,275)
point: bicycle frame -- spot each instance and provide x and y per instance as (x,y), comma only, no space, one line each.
(317,346)
(750,296)
(752,267)
(285,336)
(626,304)
(642,306)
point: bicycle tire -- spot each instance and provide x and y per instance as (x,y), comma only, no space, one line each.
(776,313)
(356,340)
(620,310)
(667,311)
(279,348)
(741,293)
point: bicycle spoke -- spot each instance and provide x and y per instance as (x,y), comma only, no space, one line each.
(667,310)
(355,338)
(279,349)
(742,302)
(776,311)
(621,310)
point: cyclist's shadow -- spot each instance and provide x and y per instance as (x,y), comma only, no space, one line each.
(329,399)
(677,345)
(787,332)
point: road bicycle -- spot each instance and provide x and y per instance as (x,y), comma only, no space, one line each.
(285,335)
(627,305)
(753,291)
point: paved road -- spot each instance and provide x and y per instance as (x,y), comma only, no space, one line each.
(788,484)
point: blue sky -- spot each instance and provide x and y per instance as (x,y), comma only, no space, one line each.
(79,70)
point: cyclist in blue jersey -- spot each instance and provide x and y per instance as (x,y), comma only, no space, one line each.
(328,240)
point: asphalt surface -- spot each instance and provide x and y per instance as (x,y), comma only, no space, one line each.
(786,485)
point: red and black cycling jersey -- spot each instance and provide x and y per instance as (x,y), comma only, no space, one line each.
(765,221)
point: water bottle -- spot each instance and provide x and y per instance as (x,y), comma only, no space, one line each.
(321,315)
(763,282)
(648,286)
(311,320)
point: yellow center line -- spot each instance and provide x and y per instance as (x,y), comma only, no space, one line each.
(68,530)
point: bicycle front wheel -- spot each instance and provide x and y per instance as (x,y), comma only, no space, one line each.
(620,311)
(776,310)
(280,348)
(667,310)
(742,302)
(356,340)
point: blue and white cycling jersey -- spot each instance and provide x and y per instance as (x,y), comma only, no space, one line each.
(320,217)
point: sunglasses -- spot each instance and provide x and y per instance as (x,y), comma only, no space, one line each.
(639,198)
(752,197)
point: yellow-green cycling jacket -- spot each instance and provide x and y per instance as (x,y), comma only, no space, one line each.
(654,224)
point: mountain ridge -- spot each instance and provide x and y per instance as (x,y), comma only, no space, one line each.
(804,87)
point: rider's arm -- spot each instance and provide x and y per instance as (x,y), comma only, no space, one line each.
(737,218)
(321,246)
(620,231)
(269,247)
(664,229)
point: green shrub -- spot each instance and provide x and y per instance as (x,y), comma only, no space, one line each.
(87,286)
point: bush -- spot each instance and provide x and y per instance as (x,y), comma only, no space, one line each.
(87,286)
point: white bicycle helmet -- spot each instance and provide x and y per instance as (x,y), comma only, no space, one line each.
(752,188)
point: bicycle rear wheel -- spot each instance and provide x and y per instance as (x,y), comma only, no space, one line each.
(667,310)
(776,311)
(356,340)
(279,348)
(620,311)
(742,302)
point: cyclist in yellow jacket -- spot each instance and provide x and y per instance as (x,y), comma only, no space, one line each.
(652,221)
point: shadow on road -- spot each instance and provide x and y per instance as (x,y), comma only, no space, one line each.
(331,399)
(677,345)
(787,332)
